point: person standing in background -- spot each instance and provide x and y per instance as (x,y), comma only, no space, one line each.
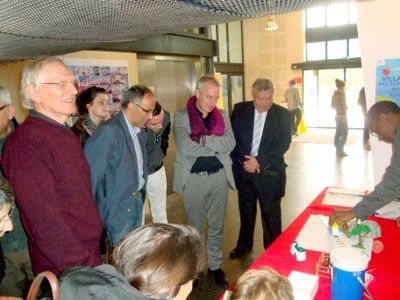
(157,132)
(362,101)
(18,272)
(93,107)
(203,172)
(117,157)
(44,163)
(339,104)
(295,105)
(263,135)
(6,211)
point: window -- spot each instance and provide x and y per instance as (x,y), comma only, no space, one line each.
(331,32)
(337,14)
(337,49)
(316,51)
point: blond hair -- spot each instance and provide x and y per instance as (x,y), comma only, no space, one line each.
(264,283)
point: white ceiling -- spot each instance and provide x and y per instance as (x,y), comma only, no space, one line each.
(32,28)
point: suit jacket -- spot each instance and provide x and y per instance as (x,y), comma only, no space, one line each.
(157,144)
(114,171)
(187,151)
(275,139)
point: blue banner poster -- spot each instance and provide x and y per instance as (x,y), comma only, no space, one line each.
(388,80)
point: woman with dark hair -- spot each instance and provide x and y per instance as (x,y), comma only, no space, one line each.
(93,107)
(340,105)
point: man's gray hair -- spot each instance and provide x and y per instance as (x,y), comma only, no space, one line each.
(263,84)
(158,258)
(135,94)
(5,96)
(207,78)
(6,193)
(31,75)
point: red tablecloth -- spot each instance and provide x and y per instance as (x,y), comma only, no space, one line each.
(385,266)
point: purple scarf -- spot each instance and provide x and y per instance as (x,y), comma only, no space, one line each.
(216,124)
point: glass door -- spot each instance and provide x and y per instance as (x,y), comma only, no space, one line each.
(232,90)
(319,86)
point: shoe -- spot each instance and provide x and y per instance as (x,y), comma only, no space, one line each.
(341,154)
(237,252)
(219,277)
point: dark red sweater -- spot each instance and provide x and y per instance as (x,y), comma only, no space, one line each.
(45,165)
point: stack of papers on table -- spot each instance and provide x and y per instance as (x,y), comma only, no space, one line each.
(342,197)
(304,285)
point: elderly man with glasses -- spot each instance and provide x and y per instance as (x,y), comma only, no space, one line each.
(383,121)
(116,153)
(44,163)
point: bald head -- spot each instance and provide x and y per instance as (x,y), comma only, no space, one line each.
(376,110)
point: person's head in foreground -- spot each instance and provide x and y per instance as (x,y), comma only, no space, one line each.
(383,120)
(261,284)
(161,260)
(6,206)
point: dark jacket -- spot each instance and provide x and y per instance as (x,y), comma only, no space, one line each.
(80,131)
(157,144)
(101,283)
(275,141)
(114,168)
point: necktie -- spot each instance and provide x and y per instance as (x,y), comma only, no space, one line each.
(256,135)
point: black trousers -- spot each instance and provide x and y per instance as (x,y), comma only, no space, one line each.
(268,188)
(296,119)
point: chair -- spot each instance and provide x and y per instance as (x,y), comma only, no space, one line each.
(54,286)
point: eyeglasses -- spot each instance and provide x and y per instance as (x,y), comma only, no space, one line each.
(374,130)
(147,111)
(63,84)
(3,107)
(11,211)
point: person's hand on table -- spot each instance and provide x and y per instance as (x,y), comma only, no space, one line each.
(340,216)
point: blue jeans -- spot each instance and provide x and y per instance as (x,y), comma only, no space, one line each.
(133,222)
(342,130)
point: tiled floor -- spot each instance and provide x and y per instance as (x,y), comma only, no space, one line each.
(311,168)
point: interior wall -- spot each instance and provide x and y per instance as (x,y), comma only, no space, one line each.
(378,40)
(10,78)
(272,53)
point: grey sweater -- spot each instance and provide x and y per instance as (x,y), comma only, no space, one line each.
(385,191)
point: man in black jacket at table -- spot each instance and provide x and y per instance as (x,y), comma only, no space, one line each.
(262,131)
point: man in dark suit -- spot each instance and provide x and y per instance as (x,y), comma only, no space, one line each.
(262,131)
(117,157)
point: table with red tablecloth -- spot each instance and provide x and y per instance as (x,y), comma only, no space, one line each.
(384,266)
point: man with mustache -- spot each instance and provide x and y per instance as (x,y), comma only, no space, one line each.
(44,163)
